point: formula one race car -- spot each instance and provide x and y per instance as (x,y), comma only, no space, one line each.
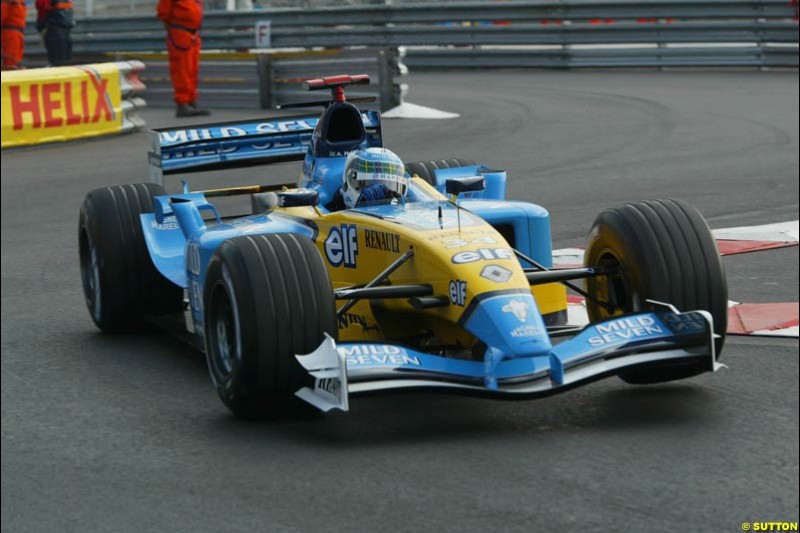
(327,291)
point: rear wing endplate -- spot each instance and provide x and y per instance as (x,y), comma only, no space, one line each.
(203,147)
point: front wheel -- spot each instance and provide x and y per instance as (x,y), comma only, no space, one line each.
(664,251)
(266,299)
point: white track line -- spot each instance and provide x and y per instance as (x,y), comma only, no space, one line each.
(409,110)
(567,256)
(576,315)
(793,331)
(780,232)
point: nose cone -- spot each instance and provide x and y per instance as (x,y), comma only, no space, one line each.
(511,324)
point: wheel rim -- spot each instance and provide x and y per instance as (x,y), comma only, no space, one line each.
(90,276)
(223,329)
(616,290)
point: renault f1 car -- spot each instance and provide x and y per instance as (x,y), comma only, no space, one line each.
(450,288)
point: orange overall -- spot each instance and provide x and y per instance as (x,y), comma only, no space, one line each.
(13,33)
(182,19)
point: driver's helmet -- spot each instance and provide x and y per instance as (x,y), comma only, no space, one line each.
(373,174)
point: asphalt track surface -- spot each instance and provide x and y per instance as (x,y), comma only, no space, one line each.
(126,433)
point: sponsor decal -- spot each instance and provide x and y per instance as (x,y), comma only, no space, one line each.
(331,387)
(341,245)
(240,222)
(624,329)
(197,296)
(227,132)
(684,323)
(526,331)
(496,273)
(377,355)
(349,319)
(168,223)
(382,240)
(254,224)
(296,127)
(426,217)
(494,205)
(286,125)
(51,105)
(457,243)
(60,104)
(174,151)
(454,235)
(482,254)
(241,146)
(193,259)
(458,292)
(517,308)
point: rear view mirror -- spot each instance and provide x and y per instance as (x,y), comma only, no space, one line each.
(298,198)
(456,186)
(265,202)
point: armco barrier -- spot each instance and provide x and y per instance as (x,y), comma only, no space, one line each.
(63,103)
(271,78)
(713,25)
(575,58)
(299,20)
(227,80)
(546,34)
(282,75)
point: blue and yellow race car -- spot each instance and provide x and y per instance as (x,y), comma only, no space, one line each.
(370,275)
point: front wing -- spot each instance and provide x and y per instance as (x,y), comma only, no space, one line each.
(662,337)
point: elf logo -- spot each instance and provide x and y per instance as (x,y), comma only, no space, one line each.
(482,254)
(458,292)
(341,246)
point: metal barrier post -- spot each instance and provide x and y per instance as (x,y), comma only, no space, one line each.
(265,81)
(384,79)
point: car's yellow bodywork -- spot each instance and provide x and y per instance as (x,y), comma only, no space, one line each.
(380,241)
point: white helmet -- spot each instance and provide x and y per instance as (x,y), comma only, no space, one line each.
(373,166)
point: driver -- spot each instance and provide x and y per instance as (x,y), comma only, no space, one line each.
(370,175)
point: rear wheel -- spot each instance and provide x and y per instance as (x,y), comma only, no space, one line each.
(665,252)
(426,169)
(266,299)
(120,283)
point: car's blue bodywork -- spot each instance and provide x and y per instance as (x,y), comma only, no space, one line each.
(663,336)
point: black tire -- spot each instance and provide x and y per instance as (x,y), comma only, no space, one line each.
(273,292)
(120,283)
(425,169)
(666,253)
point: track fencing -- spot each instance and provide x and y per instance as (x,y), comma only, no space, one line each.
(267,80)
(548,34)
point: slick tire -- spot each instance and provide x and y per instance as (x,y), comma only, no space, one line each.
(666,253)
(266,299)
(120,283)
(425,169)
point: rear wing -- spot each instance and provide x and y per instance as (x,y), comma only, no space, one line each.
(203,147)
